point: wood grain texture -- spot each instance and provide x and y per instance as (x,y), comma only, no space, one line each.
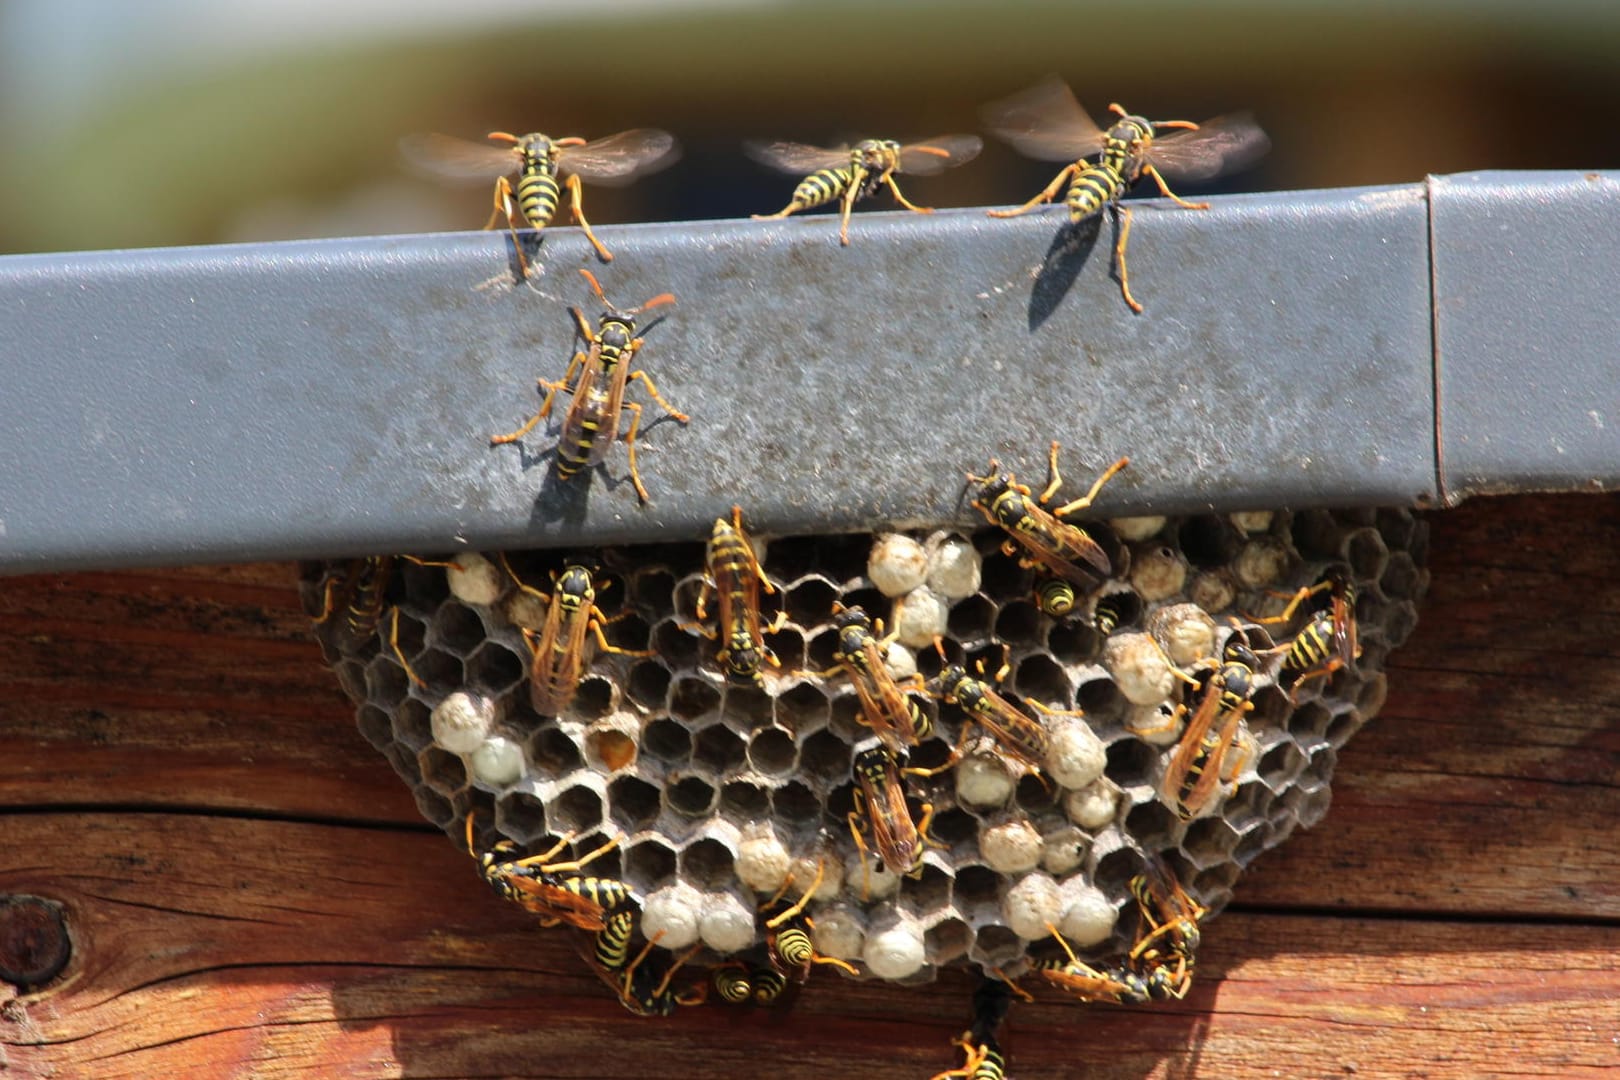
(251,892)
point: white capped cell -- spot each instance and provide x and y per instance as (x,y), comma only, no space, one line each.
(897,565)
(462,721)
(497,762)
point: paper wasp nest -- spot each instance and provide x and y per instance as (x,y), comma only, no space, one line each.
(718,792)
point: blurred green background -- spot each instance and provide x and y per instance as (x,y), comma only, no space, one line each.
(182,121)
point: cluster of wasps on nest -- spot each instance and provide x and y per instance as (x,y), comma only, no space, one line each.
(889,821)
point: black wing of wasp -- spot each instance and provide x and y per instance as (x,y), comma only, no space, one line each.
(1199,764)
(1039,535)
(850,174)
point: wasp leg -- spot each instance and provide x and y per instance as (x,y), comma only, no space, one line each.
(630,443)
(1086,500)
(847,203)
(393,643)
(860,846)
(1165,188)
(902,200)
(576,203)
(656,396)
(602,642)
(1045,196)
(1123,219)
(577,864)
(545,410)
(503,205)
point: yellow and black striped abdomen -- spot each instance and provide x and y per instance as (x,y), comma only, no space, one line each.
(580,432)
(613,941)
(1095,187)
(606,893)
(1313,646)
(794,948)
(537,195)
(821,187)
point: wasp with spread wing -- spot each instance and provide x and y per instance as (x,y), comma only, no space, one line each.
(850,174)
(1045,122)
(539,161)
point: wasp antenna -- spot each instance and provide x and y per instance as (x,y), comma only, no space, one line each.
(657,301)
(596,287)
(1117,109)
(504,136)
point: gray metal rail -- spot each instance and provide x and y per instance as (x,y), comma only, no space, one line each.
(335,397)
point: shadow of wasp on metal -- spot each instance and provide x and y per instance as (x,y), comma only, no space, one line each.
(1071,248)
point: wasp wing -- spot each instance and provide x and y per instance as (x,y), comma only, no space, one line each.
(1044,122)
(792,157)
(457,159)
(939,153)
(619,159)
(1222,145)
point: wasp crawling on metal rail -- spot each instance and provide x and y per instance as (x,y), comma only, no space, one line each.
(1045,122)
(558,648)
(1330,640)
(891,713)
(1039,536)
(557,892)
(1211,750)
(850,174)
(736,578)
(538,161)
(596,380)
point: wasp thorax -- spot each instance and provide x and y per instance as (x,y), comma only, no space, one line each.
(616,334)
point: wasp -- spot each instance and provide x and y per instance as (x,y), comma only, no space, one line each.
(538,161)
(1330,640)
(1045,122)
(1167,935)
(991,1001)
(1119,984)
(787,938)
(1200,761)
(558,650)
(739,984)
(359,588)
(591,425)
(1038,535)
(643,988)
(736,578)
(880,805)
(850,174)
(557,892)
(886,708)
(1019,736)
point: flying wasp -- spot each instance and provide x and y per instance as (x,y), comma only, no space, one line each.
(1200,763)
(558,649)
(538,161)
(557,892)
(787,938)
(736,578)
(591,425)
(1045,122)
(1038,535)
(886,708)
(850,174)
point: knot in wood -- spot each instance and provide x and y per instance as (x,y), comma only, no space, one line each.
(34,944)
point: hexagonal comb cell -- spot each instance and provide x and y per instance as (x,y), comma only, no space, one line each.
(664,755)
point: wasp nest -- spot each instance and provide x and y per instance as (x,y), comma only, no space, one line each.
(718,793)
